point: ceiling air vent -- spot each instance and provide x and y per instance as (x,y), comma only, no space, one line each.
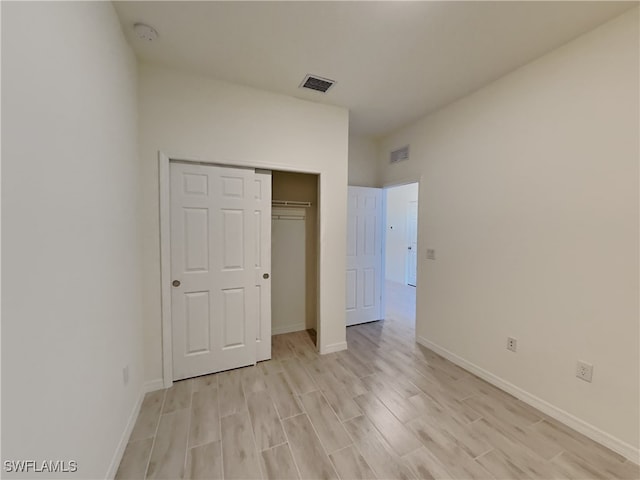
(319,84)
(399,155)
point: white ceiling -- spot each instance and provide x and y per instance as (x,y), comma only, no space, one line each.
(393,61)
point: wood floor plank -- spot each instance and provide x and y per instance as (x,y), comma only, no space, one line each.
(493,408)
(270,367)
(178,396)
(425,465)
(481,386)
(239,455)
(135,459)
(449,370)
(571,467)
(394,401)
(394,432)
(574,441)
(332,434)
(351,465)
(463,389)
(205,462)
(376,451)
(205,382)
(252,380)
(526,437)
(278,464)
(282,395)
(149,416)
(348,379)
(461,436)
(585,449)
(205,417)
(280,348)
(532,464)
(298,377)
(398,382)
(501,466)
(170,446)
(444,448)
(308,453)
(230,393)
(628,471)
(459,411)
(302,346)
(361,344)
(439,393)
(510,403)
(265,421)
(352,363)
(339,399)
(320,364)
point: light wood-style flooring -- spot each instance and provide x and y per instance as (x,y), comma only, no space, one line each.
(386,408)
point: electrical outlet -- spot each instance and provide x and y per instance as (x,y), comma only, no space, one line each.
(512,344)
(125,374)
(584,371)
(431,254)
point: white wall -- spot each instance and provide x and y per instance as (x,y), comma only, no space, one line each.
(192,117)
(71,314)
(396,235)
(363,168)
(529,194)
(288,282)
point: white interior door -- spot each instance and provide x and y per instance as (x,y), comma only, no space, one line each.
(263,263)
(289,274)
(412,241)
(213,301)
(364,255)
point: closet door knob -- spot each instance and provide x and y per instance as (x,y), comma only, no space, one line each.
(176,283)
(265,275)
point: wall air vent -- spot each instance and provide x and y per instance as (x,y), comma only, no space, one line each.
(319,84)
(399,155)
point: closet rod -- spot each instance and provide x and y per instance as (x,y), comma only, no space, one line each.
(289,203)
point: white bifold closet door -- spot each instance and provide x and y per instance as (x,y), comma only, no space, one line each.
(364,255)
(288,258)
(217,268)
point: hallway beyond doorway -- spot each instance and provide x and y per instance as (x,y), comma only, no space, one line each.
(400,303)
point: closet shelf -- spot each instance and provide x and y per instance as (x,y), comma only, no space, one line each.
(289,203)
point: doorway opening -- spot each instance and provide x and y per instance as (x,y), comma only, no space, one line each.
(294,253)
(401,252)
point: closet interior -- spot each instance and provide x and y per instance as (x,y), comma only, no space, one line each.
(294,258)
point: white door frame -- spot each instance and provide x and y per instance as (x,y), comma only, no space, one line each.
(408,264)
(164,190)
(385,187)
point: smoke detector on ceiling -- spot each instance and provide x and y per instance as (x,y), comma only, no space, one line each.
(145,32)
(319,84)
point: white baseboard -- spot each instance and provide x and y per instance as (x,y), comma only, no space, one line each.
(124,438)
(619,446)
(296,327)
(334,347)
